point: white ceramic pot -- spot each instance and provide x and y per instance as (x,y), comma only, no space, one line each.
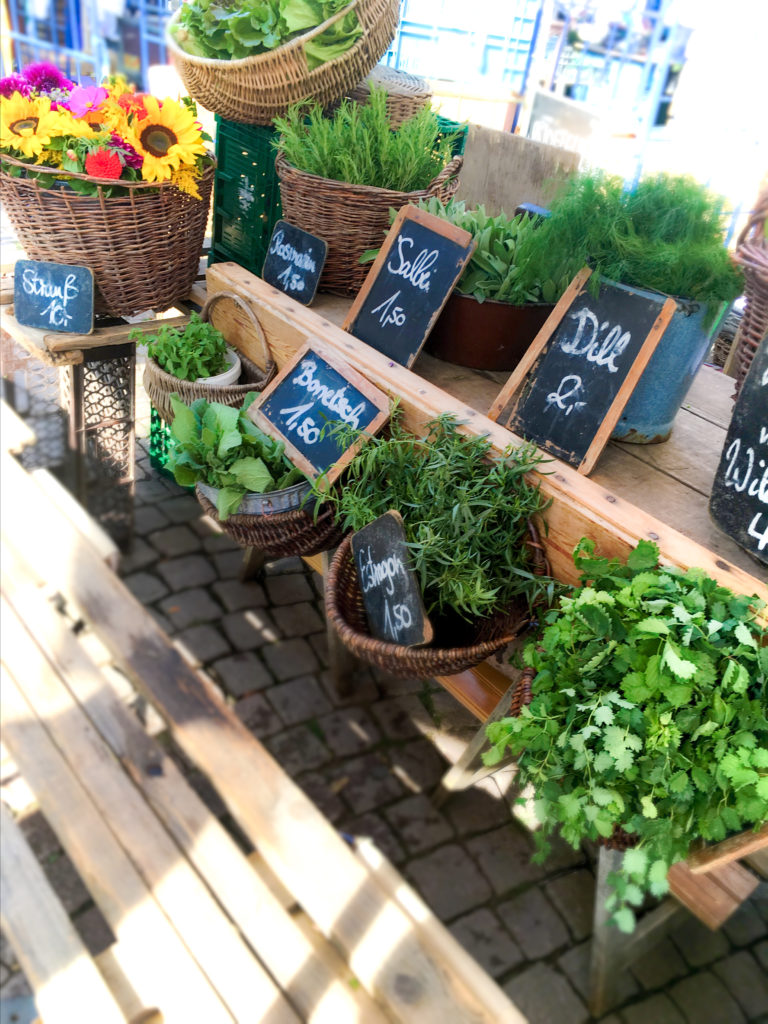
(230,376)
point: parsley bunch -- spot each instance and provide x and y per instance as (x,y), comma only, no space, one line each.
(197,350)
(649,711)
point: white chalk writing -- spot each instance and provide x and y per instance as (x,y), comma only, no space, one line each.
(561,396)
(585,341)
(60,295)
(416,272)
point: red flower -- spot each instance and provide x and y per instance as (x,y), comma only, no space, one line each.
(103,164)
(133,103)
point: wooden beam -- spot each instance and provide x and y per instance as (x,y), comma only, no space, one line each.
(299,844)
(65,980)
(579,506)
(704,895)
(59,500)
(733,848)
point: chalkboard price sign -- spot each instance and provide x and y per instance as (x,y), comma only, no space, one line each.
(390,589)
(569,389)
(739,499)
(53,296)
(294,261)
(315,389)
(409,283)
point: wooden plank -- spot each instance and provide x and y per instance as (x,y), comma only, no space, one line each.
(303,849)
(101,336)
(435,936)
(49,950)
(735,879)
(759,862)
(319,994)
(33,344)
(479,689)
(580,507)
(702,895)
(15,434)
(240,980)
(710,397)
(61,501)
(733,848)
(161,970)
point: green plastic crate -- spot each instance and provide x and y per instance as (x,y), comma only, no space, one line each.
(246,194)
(447,126)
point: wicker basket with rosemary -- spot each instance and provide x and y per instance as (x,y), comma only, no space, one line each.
(143,246)
(255,89)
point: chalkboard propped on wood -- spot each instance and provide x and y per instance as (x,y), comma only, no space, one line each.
(294,262)
(316,388)
(739,500)
(390,589)
(53,296)
(416,270)
(569,389)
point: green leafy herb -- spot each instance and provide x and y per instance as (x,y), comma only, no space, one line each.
(222,447)
(197,350)
(357,144)
(465,515)
(233,29)
(649,712)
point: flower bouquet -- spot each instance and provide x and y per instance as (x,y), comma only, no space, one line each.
(108,178)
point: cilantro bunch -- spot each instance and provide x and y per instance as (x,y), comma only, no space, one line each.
(649,711)
(222,447)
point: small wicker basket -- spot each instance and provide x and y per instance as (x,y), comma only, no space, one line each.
(351,218)
(752,254)
(143,247)
(279,534)
(256,89)
(344,608)
(160,385)
(406,94)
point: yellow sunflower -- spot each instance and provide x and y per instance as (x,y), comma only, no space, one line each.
(27,124)
(76,127)
(166,138)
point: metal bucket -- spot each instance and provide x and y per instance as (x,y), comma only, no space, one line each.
(268,503)
(650,412)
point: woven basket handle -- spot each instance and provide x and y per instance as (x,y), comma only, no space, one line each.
(205,315)
(451,170)
(756,223)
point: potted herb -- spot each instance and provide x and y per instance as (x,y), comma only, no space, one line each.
(234,463)
(340,175)
(197,352)
(664,235)
(649,713)
(467,520)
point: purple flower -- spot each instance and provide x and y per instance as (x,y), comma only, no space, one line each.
(44,77)
(14,83)
(130,157)
(83,99)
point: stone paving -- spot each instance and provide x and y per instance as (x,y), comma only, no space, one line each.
(369,762)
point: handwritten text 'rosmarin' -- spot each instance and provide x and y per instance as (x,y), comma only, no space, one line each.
(287,252)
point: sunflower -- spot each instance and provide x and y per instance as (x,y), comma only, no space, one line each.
(74,127)
(166,138)
(27,124)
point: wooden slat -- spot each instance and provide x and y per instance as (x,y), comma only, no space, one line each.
(63,977)
(580,507)
(240,980)
(56,341)
(15,434)
(321,995)
(702,895)
(59,500)
(303,849)
(759,862)
(733,848)
(161,971)
(34,343)
(479,689)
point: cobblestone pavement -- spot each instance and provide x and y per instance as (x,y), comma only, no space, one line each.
(369,762)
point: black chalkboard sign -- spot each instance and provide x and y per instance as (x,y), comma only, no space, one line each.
(53,296)
(409,283)
(739,499)
(569,389)
(390,589)
(294,261)
(314,389)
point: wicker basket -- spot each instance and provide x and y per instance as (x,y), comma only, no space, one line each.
(279,534)
(752,254)
(256,89)
(344,608)
(143,247)
(351,218)
(406,94)
(160,385)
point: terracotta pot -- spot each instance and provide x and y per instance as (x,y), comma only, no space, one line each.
(486,335)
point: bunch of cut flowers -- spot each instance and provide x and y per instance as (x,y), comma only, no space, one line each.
(109,133)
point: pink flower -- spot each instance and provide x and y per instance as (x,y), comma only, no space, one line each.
(44,77)
(14,83)
(129,154)
(83,99)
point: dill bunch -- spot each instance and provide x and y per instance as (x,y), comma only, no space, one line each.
(357,145)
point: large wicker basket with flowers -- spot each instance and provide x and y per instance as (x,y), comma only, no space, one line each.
(116,182)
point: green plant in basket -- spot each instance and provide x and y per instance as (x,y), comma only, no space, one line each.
(220,446)
(465,514)
(197,350)
(649,712)
(357,144)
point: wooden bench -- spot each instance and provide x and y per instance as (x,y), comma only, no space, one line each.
(309,927)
